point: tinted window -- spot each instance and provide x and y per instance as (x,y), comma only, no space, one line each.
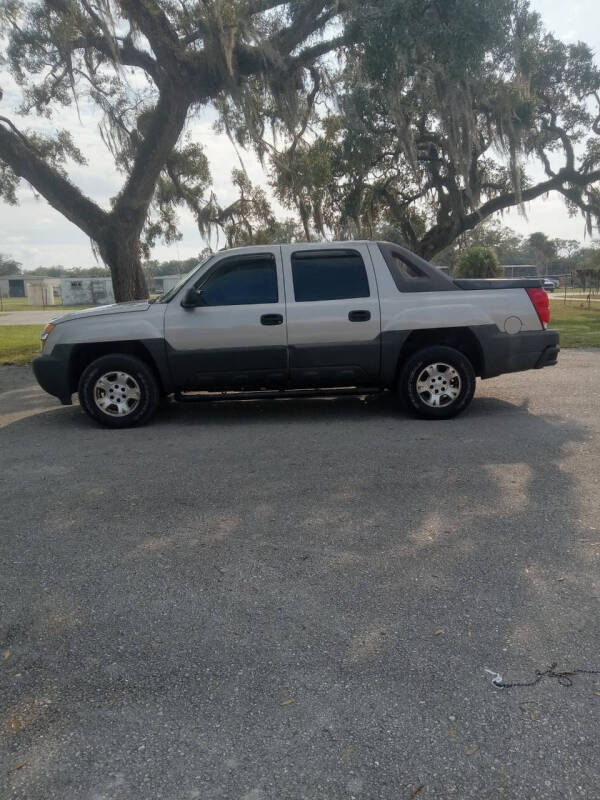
(331,275)
(411,273)
(402,268)
(242,283)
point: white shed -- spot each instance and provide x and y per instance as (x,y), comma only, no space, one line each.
(164,283)
(80,291)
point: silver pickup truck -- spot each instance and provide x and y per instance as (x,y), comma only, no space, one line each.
(300,319)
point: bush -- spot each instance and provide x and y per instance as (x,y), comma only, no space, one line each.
(477,262)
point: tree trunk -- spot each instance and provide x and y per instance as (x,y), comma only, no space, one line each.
(120,247)
(117,232)
(120,251)
(435,240)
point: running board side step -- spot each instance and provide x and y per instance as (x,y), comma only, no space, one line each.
(282,394)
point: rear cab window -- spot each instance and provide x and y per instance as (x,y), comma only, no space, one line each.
(411,273)
(320,275)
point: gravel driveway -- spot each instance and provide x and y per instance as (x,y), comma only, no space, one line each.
(277,601)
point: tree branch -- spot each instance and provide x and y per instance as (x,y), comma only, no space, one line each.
(564,138)
(161,134)
(14,128)
(443,234)
(260,6)
(127,54)
(305,24)
(58,190)
(199,32)
(149,17)
(310,54)
(310,103)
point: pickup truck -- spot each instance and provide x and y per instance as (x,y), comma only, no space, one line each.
(299,319)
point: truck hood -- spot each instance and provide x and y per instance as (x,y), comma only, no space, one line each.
(97,311)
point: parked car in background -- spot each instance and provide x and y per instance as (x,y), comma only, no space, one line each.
(300,319)
(550,284)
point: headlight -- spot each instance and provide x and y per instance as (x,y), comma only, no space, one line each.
(45,333)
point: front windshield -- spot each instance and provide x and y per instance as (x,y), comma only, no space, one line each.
(173,291)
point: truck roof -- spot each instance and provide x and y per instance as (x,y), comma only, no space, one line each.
(257,248)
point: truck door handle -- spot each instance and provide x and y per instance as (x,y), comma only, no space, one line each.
(359,316)
(271,319)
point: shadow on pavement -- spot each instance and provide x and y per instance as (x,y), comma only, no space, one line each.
(298,600)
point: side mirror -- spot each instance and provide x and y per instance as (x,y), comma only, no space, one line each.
(193,298)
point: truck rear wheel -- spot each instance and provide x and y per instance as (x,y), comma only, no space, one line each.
(437,382)
(119,391)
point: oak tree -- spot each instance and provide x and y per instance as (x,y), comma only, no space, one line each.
(442,115)
(147,66)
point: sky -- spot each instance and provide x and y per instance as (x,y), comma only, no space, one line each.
(38,236)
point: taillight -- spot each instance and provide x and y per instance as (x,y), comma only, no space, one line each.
(539,298)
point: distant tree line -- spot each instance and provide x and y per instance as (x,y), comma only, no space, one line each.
(156,268)
(10,266)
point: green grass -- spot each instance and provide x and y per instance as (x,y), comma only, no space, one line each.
(19,343)
(578,326)
(19,304)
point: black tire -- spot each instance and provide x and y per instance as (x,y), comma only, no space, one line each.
(147,388)
(415,368)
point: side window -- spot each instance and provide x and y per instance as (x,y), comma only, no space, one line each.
(402,268)
(413,274)
(328,275)
(242,283)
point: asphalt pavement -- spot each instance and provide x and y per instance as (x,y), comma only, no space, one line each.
(40,318)
(278,601)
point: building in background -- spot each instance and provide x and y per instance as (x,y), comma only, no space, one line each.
(12,286)
(80,291)
(42,291)
(160,284)
(39,291)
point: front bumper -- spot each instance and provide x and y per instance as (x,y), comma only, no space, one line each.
(503,352)
(53,373)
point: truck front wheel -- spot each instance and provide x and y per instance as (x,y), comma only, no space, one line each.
(119,391)
(437,382)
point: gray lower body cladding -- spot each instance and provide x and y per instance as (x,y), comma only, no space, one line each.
(343,364)
(297,366)
(498,352)
(231,368)
(53,372)
(369,364)
(58,373)
(503,352)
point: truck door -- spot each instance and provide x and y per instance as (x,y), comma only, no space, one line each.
(333,316)
(236,338)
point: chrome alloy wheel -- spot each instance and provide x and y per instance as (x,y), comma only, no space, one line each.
(117,394)
(438,385)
